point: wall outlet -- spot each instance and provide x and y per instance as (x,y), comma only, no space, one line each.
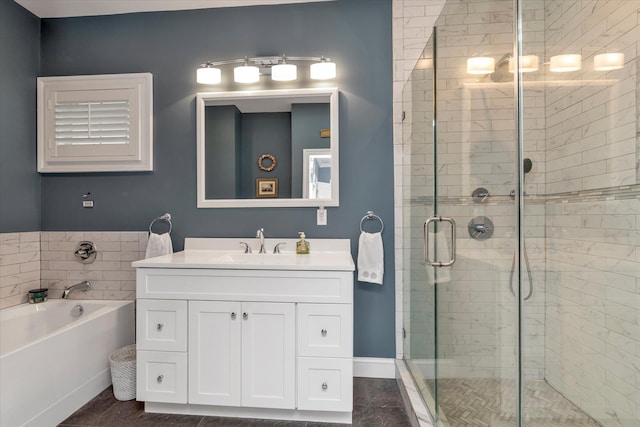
(87,203)
(321,216)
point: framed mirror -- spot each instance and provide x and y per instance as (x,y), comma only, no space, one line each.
(268,148)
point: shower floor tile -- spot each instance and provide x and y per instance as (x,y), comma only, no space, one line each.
(491,402)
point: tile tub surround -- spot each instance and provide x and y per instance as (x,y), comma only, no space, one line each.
(19,266)
(377,402)
(111,275)
(46,259)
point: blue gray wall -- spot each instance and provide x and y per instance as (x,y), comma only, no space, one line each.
(171,45)
(19,67)
(266,133)
(222,152)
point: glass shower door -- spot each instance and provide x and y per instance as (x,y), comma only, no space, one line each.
(475,157)
(419,346)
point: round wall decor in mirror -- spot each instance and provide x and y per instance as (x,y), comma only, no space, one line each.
(270,162)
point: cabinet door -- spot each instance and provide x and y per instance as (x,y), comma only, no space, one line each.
(214,352)
(268,355)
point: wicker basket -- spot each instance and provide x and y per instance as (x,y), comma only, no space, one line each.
(123,372)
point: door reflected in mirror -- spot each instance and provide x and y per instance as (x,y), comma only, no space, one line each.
(290,136)
(317,173)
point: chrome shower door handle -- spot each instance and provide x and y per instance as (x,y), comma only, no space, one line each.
(452,253)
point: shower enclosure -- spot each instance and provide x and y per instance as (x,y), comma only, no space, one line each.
(521,214)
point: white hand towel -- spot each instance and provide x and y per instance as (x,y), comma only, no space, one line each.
(158,244)
(370,258)
(438,274)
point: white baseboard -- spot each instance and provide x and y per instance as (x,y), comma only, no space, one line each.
(374,367)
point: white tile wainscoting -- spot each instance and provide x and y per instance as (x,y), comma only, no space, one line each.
(31,260)
(19,266)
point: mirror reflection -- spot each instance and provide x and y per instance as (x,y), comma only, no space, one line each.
(267,148)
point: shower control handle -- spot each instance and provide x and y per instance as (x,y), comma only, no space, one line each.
(452,253)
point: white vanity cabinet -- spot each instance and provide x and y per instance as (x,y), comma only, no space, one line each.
(269,341)
(241,354)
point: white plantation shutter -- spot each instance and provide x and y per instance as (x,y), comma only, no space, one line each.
(95,123)
(101,122)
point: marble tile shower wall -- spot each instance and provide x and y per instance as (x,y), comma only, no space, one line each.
(19,266)
(593,295)
(592,116)
(593,230)
(111,275)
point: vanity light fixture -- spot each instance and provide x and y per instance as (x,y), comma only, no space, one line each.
(280,68)
(608,61)
(528,64)
(208,74)
(481,65)
(246,73)
(323,70)
(565,63)
(284,72)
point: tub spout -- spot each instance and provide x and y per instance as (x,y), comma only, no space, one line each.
(82,286)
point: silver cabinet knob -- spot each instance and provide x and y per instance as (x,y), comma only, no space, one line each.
(323,332)
(160,378)
(233,315)
(324,386)
(159,326)
(245,315)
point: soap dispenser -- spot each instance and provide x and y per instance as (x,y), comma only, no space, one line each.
(302,246)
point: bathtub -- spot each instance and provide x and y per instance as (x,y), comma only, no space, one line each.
(54,357)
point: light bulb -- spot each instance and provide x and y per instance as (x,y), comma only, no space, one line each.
(284,72)
(565,63)
(608,61)
(528,64)
(246,74)
(323,70)
(481,65)
(208,75)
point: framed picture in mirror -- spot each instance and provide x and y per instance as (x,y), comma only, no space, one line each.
(267,187)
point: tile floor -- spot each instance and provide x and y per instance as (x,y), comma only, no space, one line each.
(376,403)
(470,402)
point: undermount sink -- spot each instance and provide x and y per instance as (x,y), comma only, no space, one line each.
(228,253)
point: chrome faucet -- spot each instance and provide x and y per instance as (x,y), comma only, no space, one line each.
(82,286)
(260,235)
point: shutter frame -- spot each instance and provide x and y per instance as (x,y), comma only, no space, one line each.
(79,132)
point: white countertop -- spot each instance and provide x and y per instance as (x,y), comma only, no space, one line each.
(326,255)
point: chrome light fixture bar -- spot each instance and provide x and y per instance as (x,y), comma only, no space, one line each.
(279,67)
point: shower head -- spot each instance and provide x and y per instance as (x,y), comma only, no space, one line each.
(501,73)
(527,164)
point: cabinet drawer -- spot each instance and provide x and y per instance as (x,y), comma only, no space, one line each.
(161,376)
(325,384)
(325,330)
(162,325)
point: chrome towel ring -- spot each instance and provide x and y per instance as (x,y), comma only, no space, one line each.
(370,216)
(164,217)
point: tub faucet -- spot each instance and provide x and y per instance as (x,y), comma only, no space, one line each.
(260,235)
(82,286)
